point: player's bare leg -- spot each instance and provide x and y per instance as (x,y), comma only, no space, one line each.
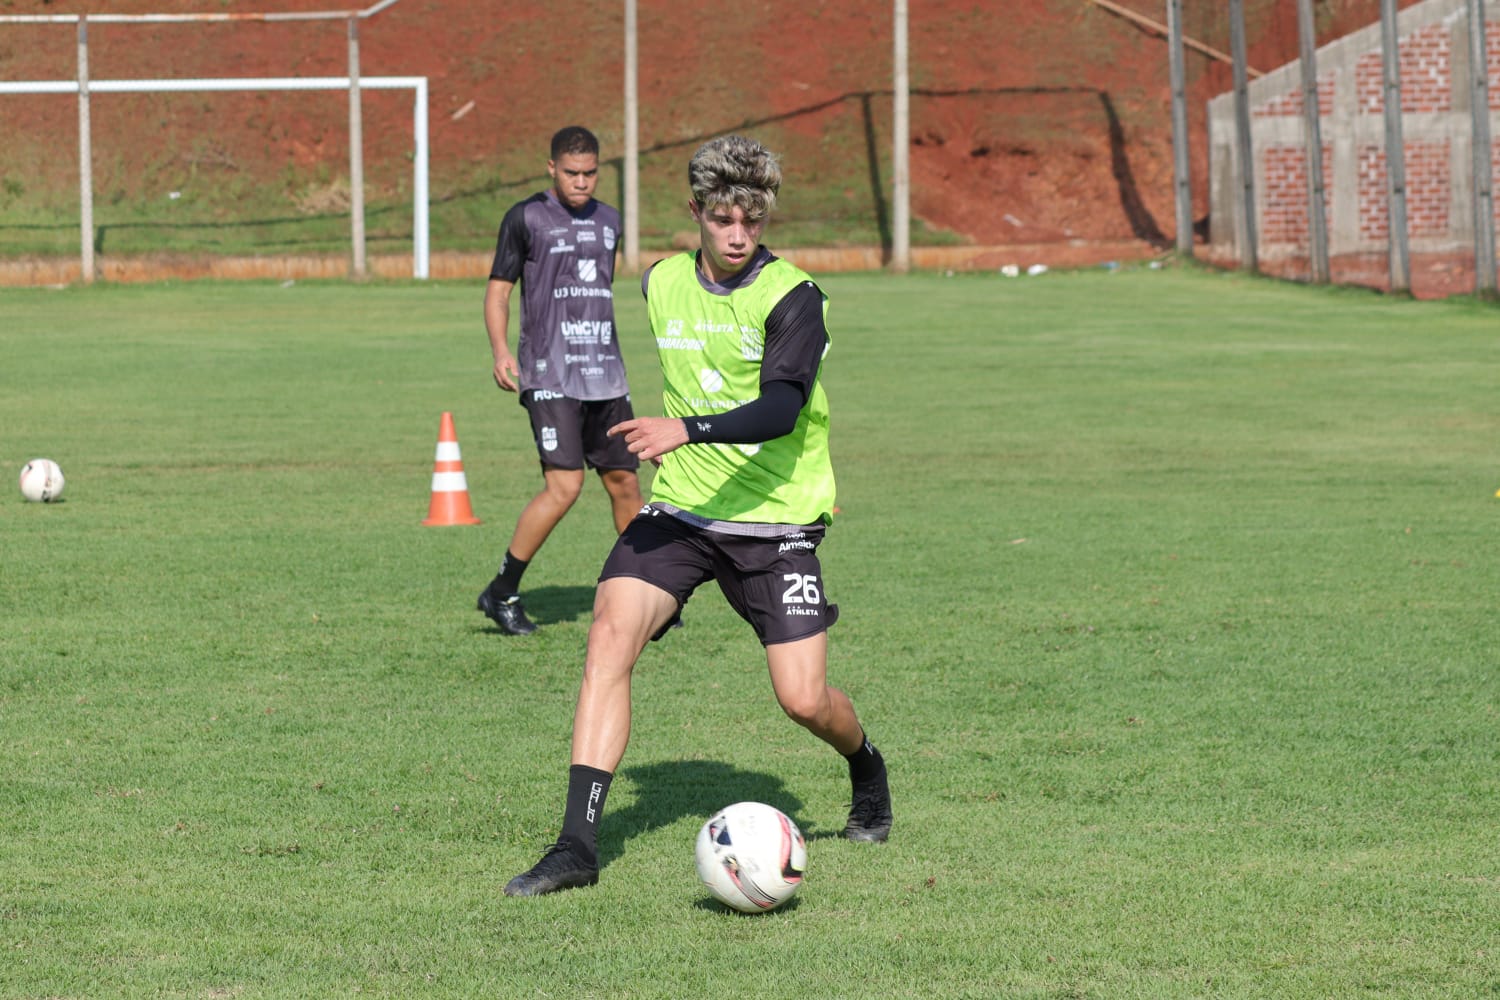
(500,600)
(560,491)
(799,676)
(627,613)
(624,489)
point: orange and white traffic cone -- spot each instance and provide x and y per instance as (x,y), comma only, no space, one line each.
(450,488)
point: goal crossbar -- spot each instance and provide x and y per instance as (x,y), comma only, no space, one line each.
(418,84)
(269,16)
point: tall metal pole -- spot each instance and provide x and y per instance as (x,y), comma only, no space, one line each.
(85,155)
(1484,188)
(1313,142)
(632,205)
(1395,147)
(1244,146)
(901,149)
(356,153)
(1181,181)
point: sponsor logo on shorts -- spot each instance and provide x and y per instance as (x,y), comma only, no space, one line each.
(539,395)
(549,438)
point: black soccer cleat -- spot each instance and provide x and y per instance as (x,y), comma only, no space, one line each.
(507,613)
(562,867)
(870,812)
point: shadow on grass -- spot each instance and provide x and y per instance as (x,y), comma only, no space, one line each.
(552,605)
(714,906)
(668,791)
(555,605)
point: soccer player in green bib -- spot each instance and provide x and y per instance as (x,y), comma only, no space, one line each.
(743,494)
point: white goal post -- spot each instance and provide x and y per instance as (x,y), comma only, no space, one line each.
(420,245)
(353,83)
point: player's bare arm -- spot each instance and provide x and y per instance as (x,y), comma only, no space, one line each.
(497,325)
(649,438)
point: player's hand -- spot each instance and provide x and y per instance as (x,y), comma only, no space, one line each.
(507,373)
(650,438)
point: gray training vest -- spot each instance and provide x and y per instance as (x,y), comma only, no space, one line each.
(568,342)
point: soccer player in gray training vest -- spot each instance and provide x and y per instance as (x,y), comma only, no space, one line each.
(560,245)
(743,496)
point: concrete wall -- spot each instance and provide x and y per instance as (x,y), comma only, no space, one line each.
(1435,122)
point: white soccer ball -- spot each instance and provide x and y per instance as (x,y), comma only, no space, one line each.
(751,856)
(41,480)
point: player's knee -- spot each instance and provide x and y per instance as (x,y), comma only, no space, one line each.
(809,710)
(605,669)
(621,483)
(565,492)
(613,641)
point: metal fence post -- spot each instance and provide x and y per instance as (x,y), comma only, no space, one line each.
(1317,216)
(1395,148)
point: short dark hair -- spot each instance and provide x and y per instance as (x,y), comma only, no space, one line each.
(574,139)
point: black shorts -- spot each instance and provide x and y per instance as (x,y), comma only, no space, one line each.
(775,584)
(570,432)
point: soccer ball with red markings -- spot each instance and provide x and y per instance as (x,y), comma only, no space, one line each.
(751,856)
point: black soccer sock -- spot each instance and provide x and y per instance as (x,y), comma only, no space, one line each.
(865,764)
(587,788)
(508,580)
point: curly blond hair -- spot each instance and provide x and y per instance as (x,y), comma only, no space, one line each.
(735,171)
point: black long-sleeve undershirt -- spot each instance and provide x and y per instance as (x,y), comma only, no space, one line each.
(770,416)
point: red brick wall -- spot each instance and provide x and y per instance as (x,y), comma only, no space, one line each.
(1492,60)
(1291,104)
(1427,66)
(1285,217)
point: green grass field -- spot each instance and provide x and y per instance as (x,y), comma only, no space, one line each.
(1170,597)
